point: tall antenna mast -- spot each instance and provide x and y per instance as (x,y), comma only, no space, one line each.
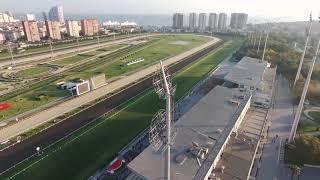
(303,96)
(164,88)
(304,51)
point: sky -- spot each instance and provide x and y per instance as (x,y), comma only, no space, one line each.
(297,9)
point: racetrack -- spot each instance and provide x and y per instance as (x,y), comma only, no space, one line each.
(17,153)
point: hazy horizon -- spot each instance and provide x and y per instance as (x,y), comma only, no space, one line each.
(295,10)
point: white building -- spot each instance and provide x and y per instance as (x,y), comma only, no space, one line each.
(238,20)
(73,28)
(6,17)
(192,21)
(202,21)
(31,17)
(222,22)
(56,14)
(213,21)
(177,21)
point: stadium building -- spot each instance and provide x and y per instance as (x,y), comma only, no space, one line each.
(216,124)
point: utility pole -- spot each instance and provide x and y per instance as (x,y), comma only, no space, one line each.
(98,41)
(265,45)
(51,49)
(259,42)
(168,120)
(254,42)
(78,49)
(11,54)
(303,96)
(304,51)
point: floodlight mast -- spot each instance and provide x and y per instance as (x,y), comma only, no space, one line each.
(303,96)
(304,51)
(168,121)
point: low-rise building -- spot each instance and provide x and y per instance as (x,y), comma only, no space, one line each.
(204,135)
(201,136)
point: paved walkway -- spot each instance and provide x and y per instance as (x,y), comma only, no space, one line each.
(272,165)
(60,109)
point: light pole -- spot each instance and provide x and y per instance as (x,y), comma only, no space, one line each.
(11,54)
(259,42)
(304,51)
(51,49)
(98,41)
(254,42)
(265,44)
(165,89)
(303,96)
(78,45)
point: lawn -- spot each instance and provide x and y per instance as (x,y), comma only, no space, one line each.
(107,64)
(315,115)
(82,154)
(72,59)
(43,49)
(159,50)
(33,71)
(32,100)
(305,150)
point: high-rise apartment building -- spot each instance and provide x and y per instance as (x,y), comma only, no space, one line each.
(6,17)
(72,28)
(202,21)
(53,29)
(222,22)
(177,21)
(56,14)
(89,27)
(44,16)
(192,21)
(238,20)
(30,29)
(213,21)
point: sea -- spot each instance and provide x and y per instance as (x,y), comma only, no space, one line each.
(142,20)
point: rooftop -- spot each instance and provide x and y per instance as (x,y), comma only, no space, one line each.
(202,128)
(248,71)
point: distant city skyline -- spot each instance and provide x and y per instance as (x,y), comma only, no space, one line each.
(293,10)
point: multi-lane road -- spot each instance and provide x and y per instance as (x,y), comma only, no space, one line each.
(17,153)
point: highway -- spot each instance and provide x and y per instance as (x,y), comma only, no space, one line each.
(19,152)
(66,51)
